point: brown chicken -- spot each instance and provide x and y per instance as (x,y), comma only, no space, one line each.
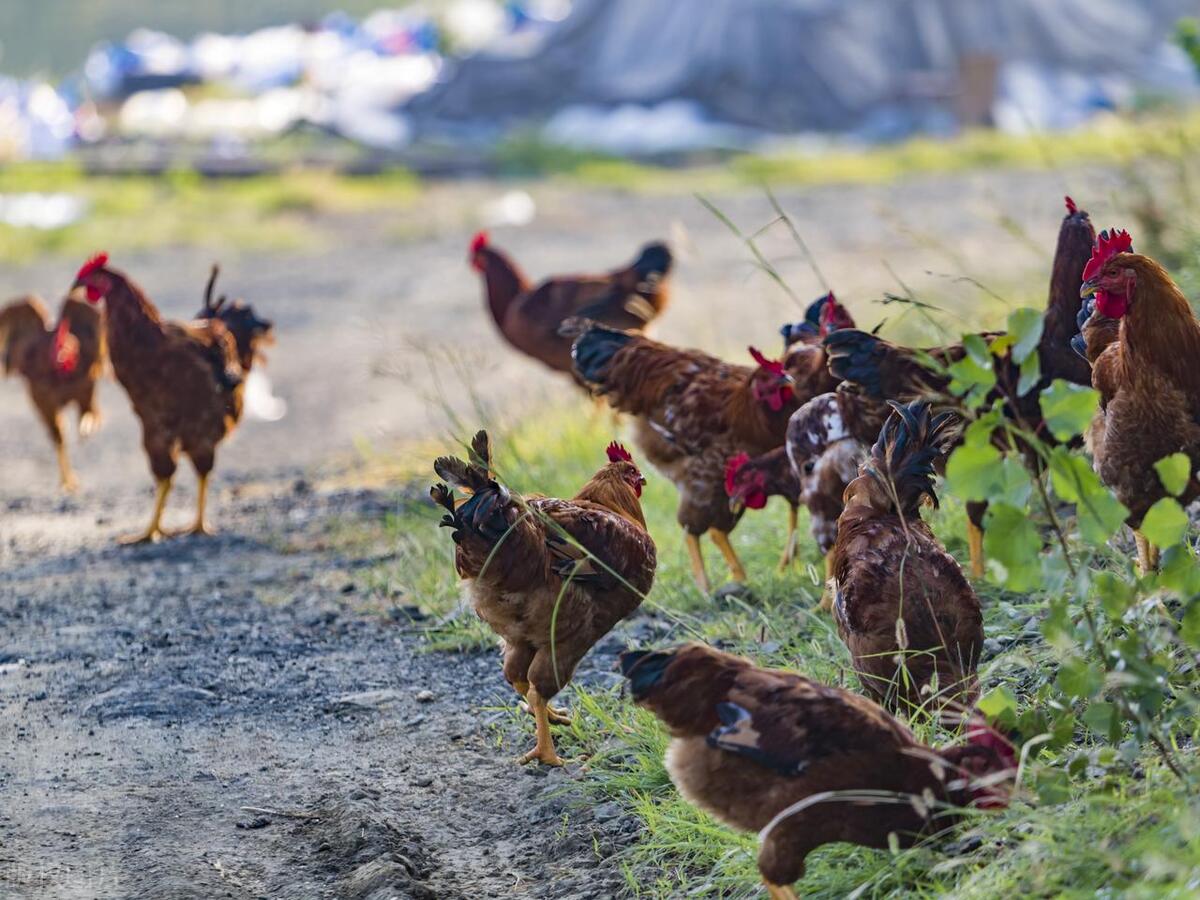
(60,365)
(804,764)
(750,483)
(804,351)
(889,568)
(529,317)
(183,380)
(692,414)
(878,371)
(550,576)
(250,333)
(1148,379)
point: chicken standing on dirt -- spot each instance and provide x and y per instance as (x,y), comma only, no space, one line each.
(61,365)
(529,317)
(183,380)
(1148,379)
(878,371)
(889,568)
(802,763)
(692,414)
(550,576)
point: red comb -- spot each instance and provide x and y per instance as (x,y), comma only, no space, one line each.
(617,453)
(1071,207)
(1108,245)
(732,467)
(479,242)
(769,364)
(99,261)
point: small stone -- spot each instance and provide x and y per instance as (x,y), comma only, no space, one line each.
(606,812)
(422,781)
(425,696)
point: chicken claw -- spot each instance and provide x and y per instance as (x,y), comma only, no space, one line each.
(154,531)
(544,751)
(557,716)
(780,891)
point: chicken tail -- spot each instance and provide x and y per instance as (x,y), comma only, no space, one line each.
(483,513)
(654,260)
(903,458)
(595,346)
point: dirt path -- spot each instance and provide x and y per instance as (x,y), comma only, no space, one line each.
(148,695)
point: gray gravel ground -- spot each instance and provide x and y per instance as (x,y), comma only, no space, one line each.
(148,695)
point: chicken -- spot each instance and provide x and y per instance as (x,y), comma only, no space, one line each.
(250,333)
(183,380)
(824,315)
(877,371)
(804,354)
(692,414)
(529,317)
(804,764)
(824,457)
(889,568)
(550,576)
(1148,380)
(61,366)
(749,483)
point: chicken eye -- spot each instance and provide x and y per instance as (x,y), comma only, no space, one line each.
(809,466)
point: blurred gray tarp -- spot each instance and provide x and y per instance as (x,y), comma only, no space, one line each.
(789,66)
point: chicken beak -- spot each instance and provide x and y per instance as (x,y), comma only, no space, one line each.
(1087,289)
(736,505)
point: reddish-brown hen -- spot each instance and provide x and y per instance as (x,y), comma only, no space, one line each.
(692,414)
(901,602)
(550,576)
(60,364)
(183,380)
(529,317)
(1148,378)
(804,764)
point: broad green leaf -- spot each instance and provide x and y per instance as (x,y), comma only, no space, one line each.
(1031,371)
(1165,523)
(1115,593)
(1014,484)
(1012,543)
(1102,718)
(1068,408)
(980,431)
(973,472)
(1052,786)
(1179,572)
(1001,343)
(977,350)
(1025,325)
(1174,471)
(1079,679)
(998,704)
(1057,628)
(1190,629)
(1099,513)
(968,377)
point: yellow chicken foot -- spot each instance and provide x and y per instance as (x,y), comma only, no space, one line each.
(543,751)
(1147,555)
(66,477)
(789,548)
(201,527)
(721,539)
(557,716)
(779,891)
(975,548)
(827,590)
(697,559)
(154,530)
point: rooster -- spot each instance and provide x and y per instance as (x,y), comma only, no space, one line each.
(183,380)
(804,764)
(901,603)
(60,364)
(1147,377)
(550,576)
(529,317)
(749,483)
(692,414)
(877,371)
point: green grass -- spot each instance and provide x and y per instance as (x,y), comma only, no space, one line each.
(274,212)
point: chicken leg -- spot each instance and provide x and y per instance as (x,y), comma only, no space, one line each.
(697,560)
(557,716)
(827,591)
(975,548)
(201,527)
(154,530)
(789,548)
(1147,560)
(721,539)
(543,751)
(779,891)
(70,484)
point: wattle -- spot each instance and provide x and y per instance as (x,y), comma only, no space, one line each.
(1113,306)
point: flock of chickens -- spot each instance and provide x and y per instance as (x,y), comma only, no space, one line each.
(849,425)
(185,380)
(854,428)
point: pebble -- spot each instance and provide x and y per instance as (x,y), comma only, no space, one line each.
(425,696)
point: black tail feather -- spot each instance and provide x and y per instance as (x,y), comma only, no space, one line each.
(594,348)
(854,355)
(902,460)
(644,668)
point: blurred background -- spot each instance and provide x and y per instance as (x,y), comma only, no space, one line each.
(337,158)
